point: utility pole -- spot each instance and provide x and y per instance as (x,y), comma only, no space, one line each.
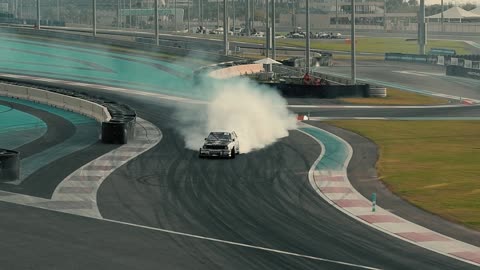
(267,30)
(225,28)
(352,43)
(307,52)
(38,14)
(130,14)
(175,11)
(234,16)
(94,17)
(156,22)
(274,53)
(188,16)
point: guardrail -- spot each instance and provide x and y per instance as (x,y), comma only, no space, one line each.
(70,103)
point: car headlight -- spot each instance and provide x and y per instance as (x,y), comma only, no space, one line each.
(226,147)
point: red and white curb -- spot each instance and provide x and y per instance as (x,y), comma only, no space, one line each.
(468,102)
(77,193)
(336,189)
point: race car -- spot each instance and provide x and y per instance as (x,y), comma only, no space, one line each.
(220,144)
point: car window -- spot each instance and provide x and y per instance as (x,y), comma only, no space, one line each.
(222,136)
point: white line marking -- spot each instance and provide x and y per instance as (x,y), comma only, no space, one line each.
(242,245)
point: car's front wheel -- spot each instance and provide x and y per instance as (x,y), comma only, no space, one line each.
(232,154)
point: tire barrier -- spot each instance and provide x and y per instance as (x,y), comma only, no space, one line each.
(121,128)
(9,165)
(463,72)
(319,91)
(377,91)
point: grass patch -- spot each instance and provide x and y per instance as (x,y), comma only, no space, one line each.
(367,45)
(399,97)
(432,164)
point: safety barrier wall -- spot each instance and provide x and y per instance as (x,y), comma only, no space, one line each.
(75,104)
(467,61)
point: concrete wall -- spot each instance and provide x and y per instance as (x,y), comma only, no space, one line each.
(85,107)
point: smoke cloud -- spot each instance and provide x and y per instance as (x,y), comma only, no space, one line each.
(257,114)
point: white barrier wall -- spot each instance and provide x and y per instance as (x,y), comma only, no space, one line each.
(74,104)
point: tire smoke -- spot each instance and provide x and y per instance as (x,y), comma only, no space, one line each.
(257,114)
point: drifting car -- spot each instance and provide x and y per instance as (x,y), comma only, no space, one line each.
(220,144)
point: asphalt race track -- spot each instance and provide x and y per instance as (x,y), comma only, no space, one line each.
(259,200)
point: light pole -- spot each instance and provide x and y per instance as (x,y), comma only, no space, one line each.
(247,18)
(201,12)
(274,53)
(267,30)
(38,14)
(188,16)
(443,29)
(175,10)
(422,40)
(156,22)
(225,28)
(352,43)
(307,52)
(58,10)
(385,15)
(118,13)
(336,13)
(94,18)
(218,14)
(234,16)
